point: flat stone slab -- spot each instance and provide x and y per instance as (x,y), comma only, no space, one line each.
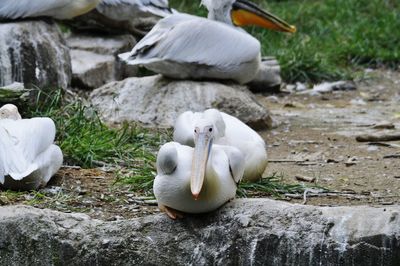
(243,232)
(156,101)
(102,44)
(91,70)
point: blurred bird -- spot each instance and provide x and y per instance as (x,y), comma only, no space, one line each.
(199,179)
(59,9)
(68,9)
(121,16)
(28,157)
(183,46)
(228,130)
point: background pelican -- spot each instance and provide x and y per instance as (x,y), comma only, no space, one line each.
(67,9)
(185,46)
(228,130)
(59,9)
(196,180)
(28,157)
(119,16)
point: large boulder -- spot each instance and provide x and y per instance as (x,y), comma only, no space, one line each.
(244,232)
(156,101)
(34,53)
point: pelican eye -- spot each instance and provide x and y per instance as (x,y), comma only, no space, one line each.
(210,129)
(195,131)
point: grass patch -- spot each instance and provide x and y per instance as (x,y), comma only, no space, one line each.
(129,150)
(87,142)
(268,186)
(334,36)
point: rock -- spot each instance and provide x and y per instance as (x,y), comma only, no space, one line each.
(91,70)
(244,232)
(156,101)
(14,93)
(34,53)
(94,59)
(268,78)
(102,44)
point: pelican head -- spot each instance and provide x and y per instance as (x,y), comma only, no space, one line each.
(9,111)
(203,139)
(244,13)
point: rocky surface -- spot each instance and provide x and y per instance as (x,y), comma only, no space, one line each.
(155,101)
(94,59)
(101,44)
(33,53)
(91,70)
(268,78)
(244,232)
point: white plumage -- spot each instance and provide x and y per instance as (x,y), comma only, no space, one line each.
(28,157)
(133,9)
(67,9)
(228,131)
(59,9)
(185,46)
(172,185)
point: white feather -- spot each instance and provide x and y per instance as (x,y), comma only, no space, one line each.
(172,187)
(185,46)
(230,131)
(26,146)
(60,9)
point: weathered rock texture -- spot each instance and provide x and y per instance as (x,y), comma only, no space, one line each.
(244,232)
(34,53)
(91,70)
(102,44)
(156,101)
(94,59)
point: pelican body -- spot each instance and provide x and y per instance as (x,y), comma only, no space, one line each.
(228,130)
(199,179)
(59,9)
(183,46)
(132,9)
(28,157)
(121,16)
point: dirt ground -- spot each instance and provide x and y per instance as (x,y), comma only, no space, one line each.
(314,138)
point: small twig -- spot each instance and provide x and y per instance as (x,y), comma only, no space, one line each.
(392,156)
(378,137)
(305,178)
(285,161)
(384,144)
(71,167)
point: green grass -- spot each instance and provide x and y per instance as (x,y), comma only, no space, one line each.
(87,142)
(334,37)
(130,149)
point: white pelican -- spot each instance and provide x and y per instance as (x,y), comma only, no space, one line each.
(183,46)
(132,9)
(121,16)
(28,157)
(199,179)
(67,9)
(228,130)
(59,9)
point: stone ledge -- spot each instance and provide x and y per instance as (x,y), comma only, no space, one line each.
(244,232)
